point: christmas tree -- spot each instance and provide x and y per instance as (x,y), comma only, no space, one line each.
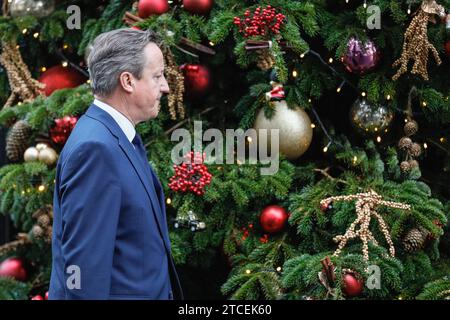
(355,205)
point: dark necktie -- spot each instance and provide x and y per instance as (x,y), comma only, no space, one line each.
(137,142)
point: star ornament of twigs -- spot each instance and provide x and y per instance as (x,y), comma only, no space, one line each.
(366,204)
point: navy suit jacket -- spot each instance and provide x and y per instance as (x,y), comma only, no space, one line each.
(109,226)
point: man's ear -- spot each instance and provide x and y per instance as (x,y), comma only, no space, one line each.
(126,81)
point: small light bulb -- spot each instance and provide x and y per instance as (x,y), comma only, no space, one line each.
(442,139)
(249,139)
(365,5)
(43,69)
(20,103)
(406,120)
(424,104)
(302,55)
(88,81)
(325,149)
(294,73)
(211,43)
(355,158)
(330,60)
(41,188)
(388,97)
(363,94)
(313,125)
(309,100)
(378,139)
(65,46)
(35,35)
(24,31)
(248,271)
(338,89)
(169,201)
(425,146)
(279,269)
(65,64)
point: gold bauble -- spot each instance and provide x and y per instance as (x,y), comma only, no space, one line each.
(48,156)
(31,154)
(41,146)
(295,132)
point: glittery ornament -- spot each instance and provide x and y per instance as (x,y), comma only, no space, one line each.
(294,125)
(360,57)
(62,128)
(36,8)
(370,119)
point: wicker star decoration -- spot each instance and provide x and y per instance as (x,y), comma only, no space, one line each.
(365,205)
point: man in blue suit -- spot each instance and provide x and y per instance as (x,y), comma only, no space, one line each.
(110,236)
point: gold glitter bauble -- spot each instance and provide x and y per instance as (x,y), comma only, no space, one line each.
(48,156)
(294,125)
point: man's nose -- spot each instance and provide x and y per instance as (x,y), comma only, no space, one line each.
(165,86)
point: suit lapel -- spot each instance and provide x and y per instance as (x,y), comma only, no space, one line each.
(143,173)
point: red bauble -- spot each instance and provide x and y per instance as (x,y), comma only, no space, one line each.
(273,218)
(198,6)
(62,129)
(46,295)
(352,285)
(59,77)
(197,79)
(447,48)
(37,297)
(148,7)
(13,267)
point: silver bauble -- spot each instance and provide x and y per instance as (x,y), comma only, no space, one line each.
(31,154)
(295,132)
(370,119)
(36,8)
(41,146)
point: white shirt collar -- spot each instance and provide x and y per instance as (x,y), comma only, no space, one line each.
(123,122)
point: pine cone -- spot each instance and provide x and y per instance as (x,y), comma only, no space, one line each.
(48,234)
(16,142)
(405,143)
(415,150)
(44,220)
(414,240)
(413,164)
(405,166)
(411,127)
(265,60)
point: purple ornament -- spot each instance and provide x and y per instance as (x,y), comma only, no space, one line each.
(360,57)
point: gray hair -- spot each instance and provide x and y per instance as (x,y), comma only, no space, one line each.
(115,52)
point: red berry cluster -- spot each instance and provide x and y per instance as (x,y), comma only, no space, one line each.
(261,23)
(264,238)
(246,232)
(191,176)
